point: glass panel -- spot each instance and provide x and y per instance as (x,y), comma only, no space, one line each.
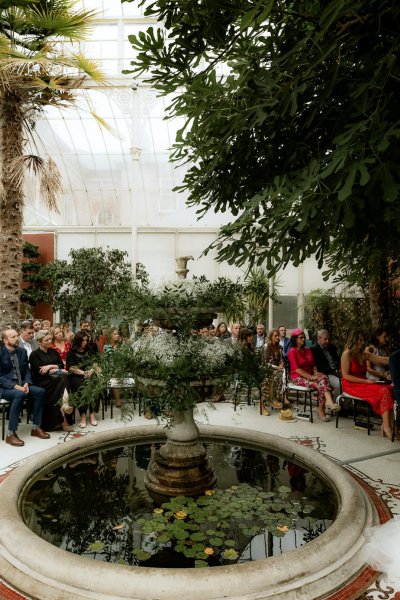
(285,313)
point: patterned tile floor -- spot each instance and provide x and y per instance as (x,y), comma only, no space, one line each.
(374,461)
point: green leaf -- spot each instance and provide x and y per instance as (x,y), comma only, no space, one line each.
(96,547)
(200,564)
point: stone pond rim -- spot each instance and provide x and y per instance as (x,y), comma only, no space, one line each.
(42,571)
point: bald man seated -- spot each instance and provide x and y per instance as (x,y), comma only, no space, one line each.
(16,386)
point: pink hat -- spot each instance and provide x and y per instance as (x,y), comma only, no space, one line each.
(297,331)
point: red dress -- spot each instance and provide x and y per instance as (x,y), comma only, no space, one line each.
(379,396)
(62,354)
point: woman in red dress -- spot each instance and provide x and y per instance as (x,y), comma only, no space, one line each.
(355,382)
(60,344)
(304,372)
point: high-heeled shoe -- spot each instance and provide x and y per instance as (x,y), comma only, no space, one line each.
(333,408)
(323,417)
(387,432)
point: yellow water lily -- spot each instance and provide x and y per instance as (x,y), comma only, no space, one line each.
(119,526)
(282,528)
(209,492)
(180,514)
(158,511)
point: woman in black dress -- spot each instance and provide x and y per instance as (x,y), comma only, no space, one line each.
(78,370)
(48,372)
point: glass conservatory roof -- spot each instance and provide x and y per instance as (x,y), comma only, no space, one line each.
(120,174)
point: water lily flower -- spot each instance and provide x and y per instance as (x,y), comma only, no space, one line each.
(158,511)
(180,514)
(119,526)
(282,528)
(208,551)
(209,492)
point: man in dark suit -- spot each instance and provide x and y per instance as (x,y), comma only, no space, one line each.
(26,337)
(326,359)
(16,386)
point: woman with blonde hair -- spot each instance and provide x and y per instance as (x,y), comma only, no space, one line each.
(355,382)
(272,388)
(60,344)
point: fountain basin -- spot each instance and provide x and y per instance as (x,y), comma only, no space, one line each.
(40,570)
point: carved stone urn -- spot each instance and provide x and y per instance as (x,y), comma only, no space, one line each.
(181,263)
(180,467)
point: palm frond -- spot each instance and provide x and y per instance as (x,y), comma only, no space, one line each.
(50,184)
(47,172)
(16,170)
(101,121)
(90,67)
(58,19)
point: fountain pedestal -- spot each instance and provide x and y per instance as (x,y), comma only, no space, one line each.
(180,467)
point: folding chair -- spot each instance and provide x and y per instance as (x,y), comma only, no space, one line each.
(4,406)
(127,383)
(299,389)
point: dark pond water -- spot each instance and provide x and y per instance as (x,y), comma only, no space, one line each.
(97,506)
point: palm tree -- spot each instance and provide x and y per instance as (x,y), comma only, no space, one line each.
(39,66)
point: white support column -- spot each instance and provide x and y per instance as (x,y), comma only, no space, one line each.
(300,297)
(271,305)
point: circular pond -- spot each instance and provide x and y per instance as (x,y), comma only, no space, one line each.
(97,506)
(41,570)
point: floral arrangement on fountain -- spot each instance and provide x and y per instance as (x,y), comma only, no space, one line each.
(174,368)
(187,303)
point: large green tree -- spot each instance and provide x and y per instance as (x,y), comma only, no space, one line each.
(39,66)
(94,283)
(292,123)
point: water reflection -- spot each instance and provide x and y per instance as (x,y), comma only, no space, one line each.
(90,506)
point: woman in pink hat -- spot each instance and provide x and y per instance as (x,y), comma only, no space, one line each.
(304,372)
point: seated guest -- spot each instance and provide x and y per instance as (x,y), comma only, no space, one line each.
(86,326)
(303,371)
(222,331)
(37,326)
(68,333)
(379,370)
(284,341)
(78,359)
(211,332)
(235,333)
(60,344)
(48,372)
(326,359)
(272,355)
(16,386)
(394,366)
(26,339)
(355,382)
(259,338)
(112,341)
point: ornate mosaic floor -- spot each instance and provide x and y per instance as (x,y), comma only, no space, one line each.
(374,462)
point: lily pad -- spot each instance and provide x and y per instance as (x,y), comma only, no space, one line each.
(96,546)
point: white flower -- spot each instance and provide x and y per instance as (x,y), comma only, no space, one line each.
(192,356)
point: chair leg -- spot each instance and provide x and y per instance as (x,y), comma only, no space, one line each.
(3,423)
(368,416)
(311,411)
